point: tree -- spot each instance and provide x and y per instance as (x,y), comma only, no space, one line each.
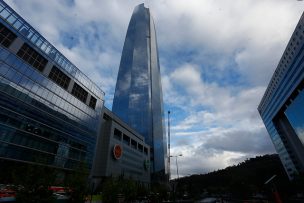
(240,181)
(33,182)
(129,190)
(76,184)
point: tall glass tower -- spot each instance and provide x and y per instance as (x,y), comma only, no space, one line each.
(138,95)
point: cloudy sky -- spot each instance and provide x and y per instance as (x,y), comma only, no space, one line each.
(217,57)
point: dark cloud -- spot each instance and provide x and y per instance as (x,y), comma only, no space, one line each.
(256,142)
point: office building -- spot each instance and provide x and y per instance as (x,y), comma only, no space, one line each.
(282,106)
(138,95)
(122,152)
(50,111)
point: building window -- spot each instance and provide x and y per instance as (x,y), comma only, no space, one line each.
(133,144)
(6,36)
(117,134)
(93,101)
(126,139)
(79,92)
(59,77)
(140,148)
(145,150)
(106,116)
(32,57)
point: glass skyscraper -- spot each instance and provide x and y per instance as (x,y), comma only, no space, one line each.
(49,110)
(138,95)
(282,106)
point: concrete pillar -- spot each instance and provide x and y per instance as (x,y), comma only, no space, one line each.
(47,69)
(70,87)
(88,99)
(16,45)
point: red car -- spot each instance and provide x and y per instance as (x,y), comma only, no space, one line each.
(7,195)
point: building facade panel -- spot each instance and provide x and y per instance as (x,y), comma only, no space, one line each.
(280,107)
(159,138)
(134,160)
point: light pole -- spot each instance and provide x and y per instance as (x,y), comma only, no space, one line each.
(177,164)
(169,164)
(176,181)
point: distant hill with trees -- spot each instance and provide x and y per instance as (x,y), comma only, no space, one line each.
(242,180)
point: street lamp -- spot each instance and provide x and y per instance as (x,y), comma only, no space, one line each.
(177,164)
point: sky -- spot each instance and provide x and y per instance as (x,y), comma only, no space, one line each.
(216,59)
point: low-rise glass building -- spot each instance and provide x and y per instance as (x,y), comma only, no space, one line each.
(49,110)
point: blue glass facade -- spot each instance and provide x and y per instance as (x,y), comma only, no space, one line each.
(295,115)
(138,95)
(281,107)
(49,110)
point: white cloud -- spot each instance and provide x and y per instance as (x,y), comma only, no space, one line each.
(241,131)
(253,33)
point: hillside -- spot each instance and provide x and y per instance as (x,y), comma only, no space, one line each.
(242,180)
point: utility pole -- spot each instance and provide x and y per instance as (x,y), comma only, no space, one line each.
(169,146)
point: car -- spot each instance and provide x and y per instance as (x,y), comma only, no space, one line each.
(7,194)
